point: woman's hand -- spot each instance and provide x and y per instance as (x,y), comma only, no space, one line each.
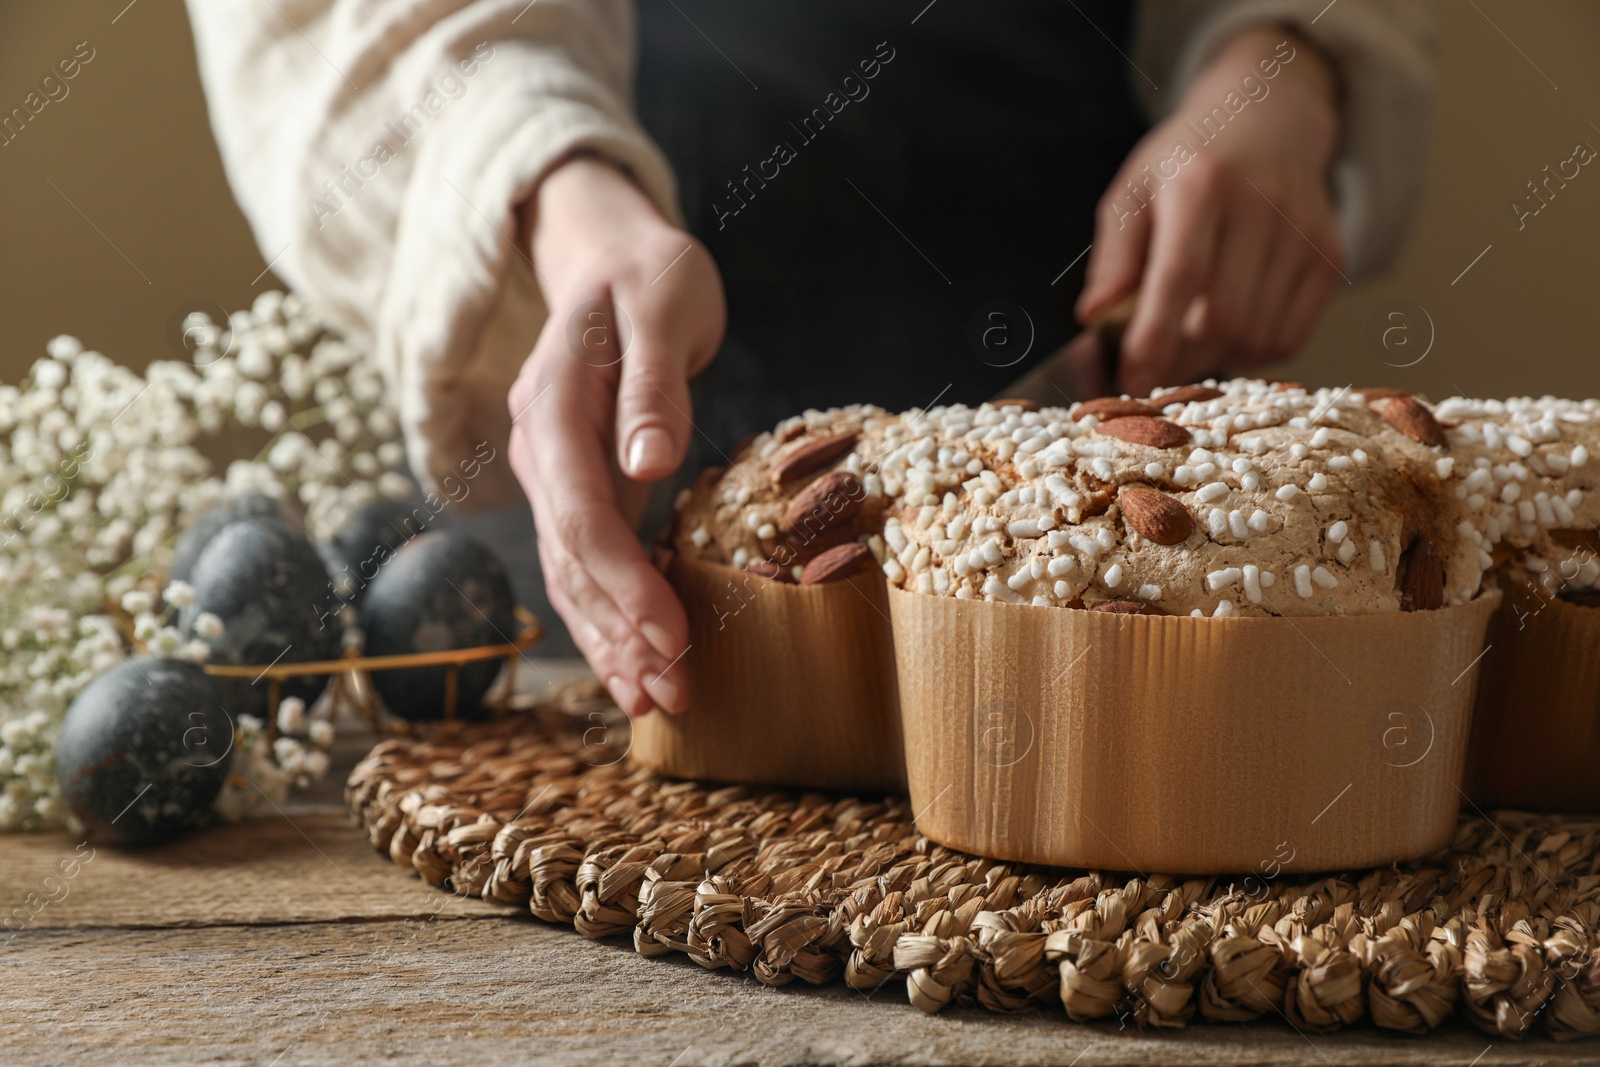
(601,411)
(1232,241)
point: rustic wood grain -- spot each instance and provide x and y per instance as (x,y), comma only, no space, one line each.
(304,867)
(509,991)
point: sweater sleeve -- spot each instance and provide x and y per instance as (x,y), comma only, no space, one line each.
(380,148)
(1384,50)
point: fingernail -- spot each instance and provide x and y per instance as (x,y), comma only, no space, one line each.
(649,451)
(659,639)
(667,691)
(623,692)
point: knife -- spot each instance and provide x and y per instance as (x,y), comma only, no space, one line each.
(1061,378)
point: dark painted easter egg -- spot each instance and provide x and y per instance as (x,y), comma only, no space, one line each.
(266,583)
(371,537)
(441,590)
(144,751)
(207,526)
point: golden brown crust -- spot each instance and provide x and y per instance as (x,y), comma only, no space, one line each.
(1297,502)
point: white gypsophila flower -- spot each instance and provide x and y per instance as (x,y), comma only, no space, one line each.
(50,809)
(50,374)
(63,347)
(292,716)
(137,602)
(167,641)
(290,755)
(266,305)
(315,764)
(391,454)
(322,733)
(285,456)
(254,360)
(394,485)
(102,468)
(208,626)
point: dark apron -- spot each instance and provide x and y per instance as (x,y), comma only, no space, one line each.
(866,228)
(867,259)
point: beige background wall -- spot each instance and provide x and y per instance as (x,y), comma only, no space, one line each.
(151,225)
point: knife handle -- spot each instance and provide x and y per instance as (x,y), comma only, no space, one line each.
(1109,326)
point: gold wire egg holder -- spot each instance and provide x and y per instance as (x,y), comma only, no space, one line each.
(350,681)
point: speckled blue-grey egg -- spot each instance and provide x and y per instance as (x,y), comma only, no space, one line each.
(266,583)
(144,751)
(202,530)
(442,590)
(371,537)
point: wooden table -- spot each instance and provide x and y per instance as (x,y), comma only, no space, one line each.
(287,940)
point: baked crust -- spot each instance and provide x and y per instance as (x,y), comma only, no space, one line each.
(1302,502)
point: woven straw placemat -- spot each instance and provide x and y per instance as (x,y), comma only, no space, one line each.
(538,811)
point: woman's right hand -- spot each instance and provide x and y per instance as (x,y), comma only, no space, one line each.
(601,411)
